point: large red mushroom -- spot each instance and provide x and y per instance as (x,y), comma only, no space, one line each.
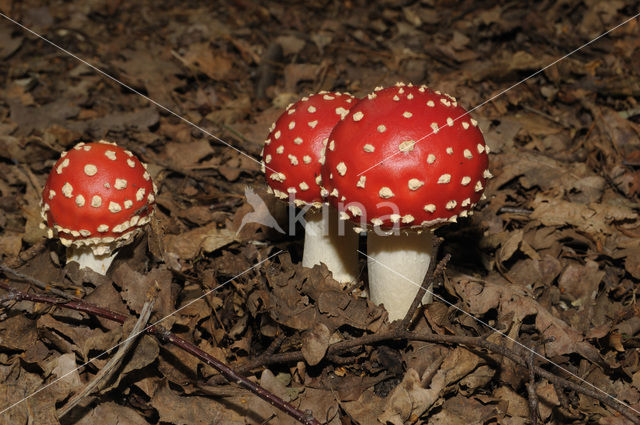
(404,161)
(292,157)
(97,198)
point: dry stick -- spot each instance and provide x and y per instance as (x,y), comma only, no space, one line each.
(35,282)
(531,390)
(164,335)
(108,370)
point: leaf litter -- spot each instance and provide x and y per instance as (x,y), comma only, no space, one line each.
(551,258)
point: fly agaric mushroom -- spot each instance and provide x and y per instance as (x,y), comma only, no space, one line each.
(405,158)
(291,160)
(97,199)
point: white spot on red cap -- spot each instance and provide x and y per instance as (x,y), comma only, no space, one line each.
(280,149)
(466,202)
(431,158)
(467,154)
(450,122)
(474,122)
(381,128)
(478,186)
(342,112)
(63,164)
(465,180)
(449,150)
(67,190)
(96,201)
(342,168)
(465,125)
(114,207)
(110,154)
(332,145)
(277,134)
(354,210)
(80,201)
(430,104)
(358,116)
(480,148)
(451,205)
(328,97)
(445,178)
(434,127)
(415,184)
(131,163)
(312,124)
(361,181)
(103,228)
(267,159)
(487,174)
(140,194)
(407,146)
(306,159)
(408,218)
(293,159)
(279,177)
(52,193)
(128,203)
(368,148)
(120,184)
(407,114)
(304,186)
(311,109)
(430,208)
(292,125)
(385,193)
(297,140)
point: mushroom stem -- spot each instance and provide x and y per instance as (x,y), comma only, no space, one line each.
(332,242)
(397,266)
(85,257)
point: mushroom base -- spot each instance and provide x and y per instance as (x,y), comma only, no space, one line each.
(84,256)
(334,243)
(397,266)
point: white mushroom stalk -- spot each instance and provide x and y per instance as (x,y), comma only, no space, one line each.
(332,242)
(399,262)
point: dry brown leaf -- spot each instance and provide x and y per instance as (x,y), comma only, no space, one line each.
(188,244)
(112,413)
(315,342)
(514,303)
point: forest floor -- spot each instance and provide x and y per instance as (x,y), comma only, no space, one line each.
(551,258)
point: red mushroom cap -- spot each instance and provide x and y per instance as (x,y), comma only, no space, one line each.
(405,156)
(294,150)
(99,195)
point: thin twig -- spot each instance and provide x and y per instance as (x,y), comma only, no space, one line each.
(531,391)
(109,369)
(164,335)
(35,282)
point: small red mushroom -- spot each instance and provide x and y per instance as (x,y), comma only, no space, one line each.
(97,198)
(291,160)
(407,159)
